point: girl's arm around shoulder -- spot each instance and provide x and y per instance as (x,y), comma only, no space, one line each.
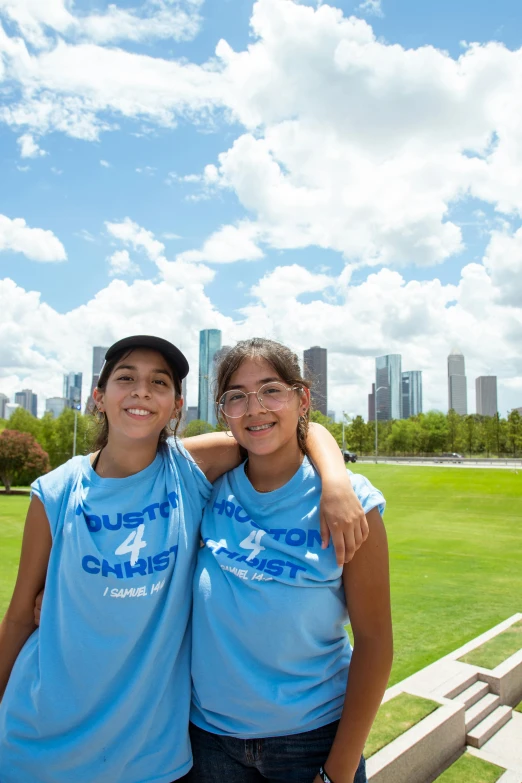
(214,453)
(18,623)
(367,588)
(342,515)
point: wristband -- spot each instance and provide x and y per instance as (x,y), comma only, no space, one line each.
(324,777)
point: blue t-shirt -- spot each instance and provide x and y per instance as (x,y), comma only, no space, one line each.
(101,692)
(270,652)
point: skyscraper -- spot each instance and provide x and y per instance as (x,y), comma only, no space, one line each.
(315,361)
(457,384)
(486,389)
(388,391)
(72,389)
(98,359)
(209,345)
(55,405)
(27,400)
(371,404)
(4,399)
(411,393)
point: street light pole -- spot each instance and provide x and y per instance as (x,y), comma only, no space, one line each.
(76,405)
(376,447)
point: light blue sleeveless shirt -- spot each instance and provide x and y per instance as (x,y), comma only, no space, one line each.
(270,652)
(101,692)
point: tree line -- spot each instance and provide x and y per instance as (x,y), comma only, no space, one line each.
(48,442)
(431,434)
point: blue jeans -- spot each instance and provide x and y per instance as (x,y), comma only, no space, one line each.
(294,758)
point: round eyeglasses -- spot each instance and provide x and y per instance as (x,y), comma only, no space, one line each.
(272,396)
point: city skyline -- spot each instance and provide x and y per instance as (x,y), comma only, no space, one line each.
(341,216)
(411,380)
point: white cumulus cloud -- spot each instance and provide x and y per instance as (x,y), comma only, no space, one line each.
(37,244)
(137,237)
(153,19)
(28,147)
(371,7)
(228,244)
(120,263)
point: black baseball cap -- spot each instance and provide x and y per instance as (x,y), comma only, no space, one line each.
(168,350)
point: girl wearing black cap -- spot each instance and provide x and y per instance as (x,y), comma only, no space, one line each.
(101,691)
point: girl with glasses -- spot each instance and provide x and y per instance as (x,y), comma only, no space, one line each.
(278,694)
(100,693)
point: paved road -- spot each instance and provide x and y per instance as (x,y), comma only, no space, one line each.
(501,466)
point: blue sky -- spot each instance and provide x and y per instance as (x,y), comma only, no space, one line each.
(354,170)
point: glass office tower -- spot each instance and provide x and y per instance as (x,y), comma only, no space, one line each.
(388,387)
(315,362)
(486,391)
(72,390)
(411,393)
(209,345)
(457,383)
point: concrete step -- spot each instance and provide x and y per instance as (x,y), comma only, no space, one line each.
(457,684)
(480,710)
(511,777)
(471,695)
(489,726)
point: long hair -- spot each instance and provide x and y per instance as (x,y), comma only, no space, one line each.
(101,433)
(283,360)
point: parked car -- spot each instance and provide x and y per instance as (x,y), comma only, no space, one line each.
(349,456)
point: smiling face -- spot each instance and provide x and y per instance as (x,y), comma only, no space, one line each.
(139,399)
(259,431)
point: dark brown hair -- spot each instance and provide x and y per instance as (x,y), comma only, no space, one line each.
(101,435)
(283,360)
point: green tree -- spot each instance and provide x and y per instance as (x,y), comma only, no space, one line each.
(383,432)
(437,427)
(514,431)
(23,421)
(399,439)
(453,423)
(357,434)
(470,428)
(57,435)
(487,434)
(21,457)
(197,427)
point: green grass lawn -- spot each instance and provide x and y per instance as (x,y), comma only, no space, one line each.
(455,537)
(470,769)
(12,514)
(518,708)
(496,650)
(394,718)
